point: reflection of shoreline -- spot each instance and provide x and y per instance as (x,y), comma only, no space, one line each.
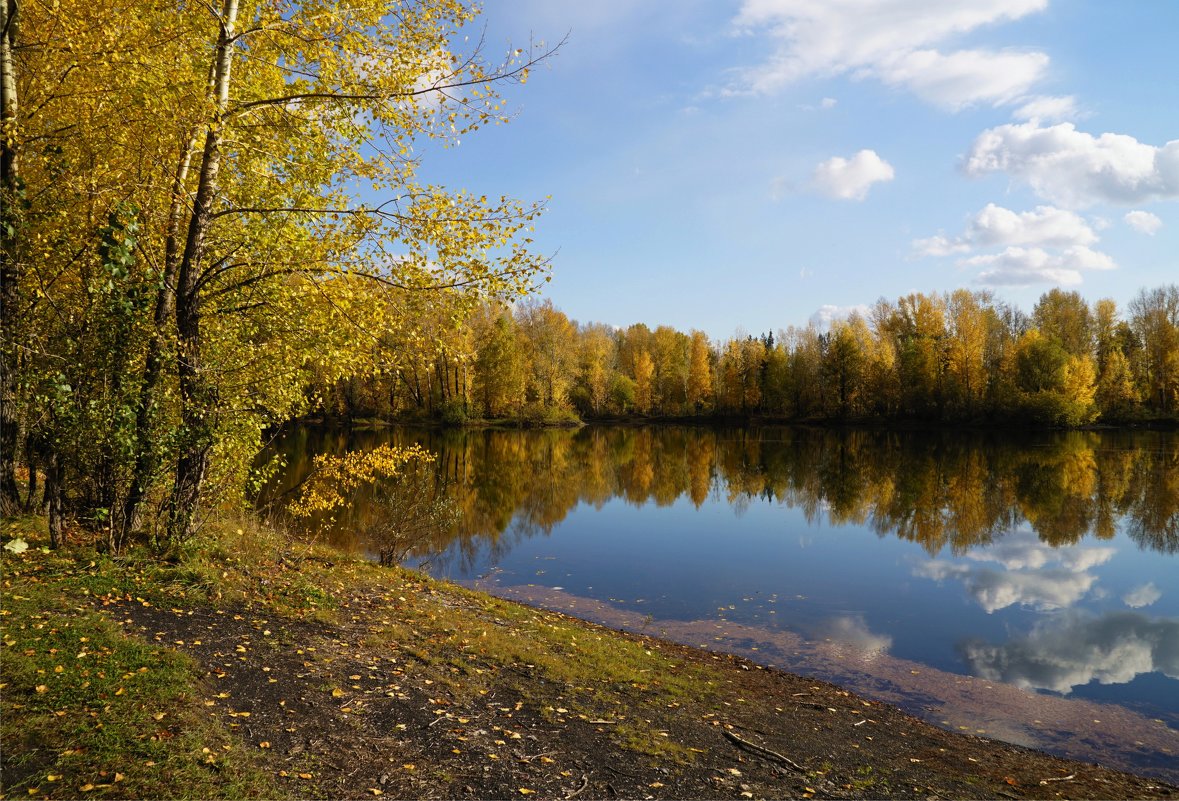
(947,491)
(1075,728)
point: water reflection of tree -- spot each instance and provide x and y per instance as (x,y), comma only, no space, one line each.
(939,489)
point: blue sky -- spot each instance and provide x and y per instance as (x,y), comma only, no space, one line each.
(755,164)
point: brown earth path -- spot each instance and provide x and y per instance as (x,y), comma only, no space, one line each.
(421,690)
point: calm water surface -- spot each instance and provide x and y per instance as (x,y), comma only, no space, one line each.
(1022,587)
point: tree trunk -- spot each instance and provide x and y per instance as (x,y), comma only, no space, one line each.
(10,206)
(198,397)
(53,500)
(146,453)
(31,461)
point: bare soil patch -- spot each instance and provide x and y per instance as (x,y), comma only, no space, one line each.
(422,690)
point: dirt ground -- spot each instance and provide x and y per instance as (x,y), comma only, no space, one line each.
(391,701)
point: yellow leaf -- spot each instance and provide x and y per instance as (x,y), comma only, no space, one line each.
(526,791)
(264,744)
(375,791)
(337,692)
(41,688)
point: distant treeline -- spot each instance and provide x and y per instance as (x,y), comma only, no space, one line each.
(960,356)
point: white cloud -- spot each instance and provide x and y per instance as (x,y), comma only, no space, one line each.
(1018,266)
(1048,109)
(828,314)
(940,245)
(1045,226)
(1110,650)
(1076,169)
(896,42)
(1143,221)
(827,102)
(1142,596)
(966,77)
(850,179)
(1045,245)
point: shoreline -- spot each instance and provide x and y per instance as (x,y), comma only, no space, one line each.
(1071,728)
(327,676)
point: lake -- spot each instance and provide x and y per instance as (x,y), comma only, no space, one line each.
(1018,586)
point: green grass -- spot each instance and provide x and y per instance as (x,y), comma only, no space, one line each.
(88,711)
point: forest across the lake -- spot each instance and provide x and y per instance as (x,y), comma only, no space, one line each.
(953,357)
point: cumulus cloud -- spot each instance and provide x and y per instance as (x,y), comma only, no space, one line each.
(1143,221)
(1020,266)
(1076,169)
(1028,266)
(1045,225)
(1035,574)
(940,245)
(1045,245)
(828,313)
(995,226)
(966,77)
(850,179)
(1141,596)
(1048,109)
(1112,649)
(894,41)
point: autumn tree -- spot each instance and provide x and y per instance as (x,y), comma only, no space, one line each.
(1154,317)
(597,352)
(843,365)
(916,325)
(644,372)
(1066,317)
(969,318)
(230,145)
(551,351)
(699,372)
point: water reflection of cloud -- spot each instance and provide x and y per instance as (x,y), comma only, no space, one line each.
(1044,590)
(1036,574)
(1111,649)
(1142,596)
(850,635)
(1023,550)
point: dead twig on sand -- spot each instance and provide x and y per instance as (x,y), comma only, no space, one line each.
(762,751)
(1069,777)
(579,790)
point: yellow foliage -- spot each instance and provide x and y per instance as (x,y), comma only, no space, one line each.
(335,478)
